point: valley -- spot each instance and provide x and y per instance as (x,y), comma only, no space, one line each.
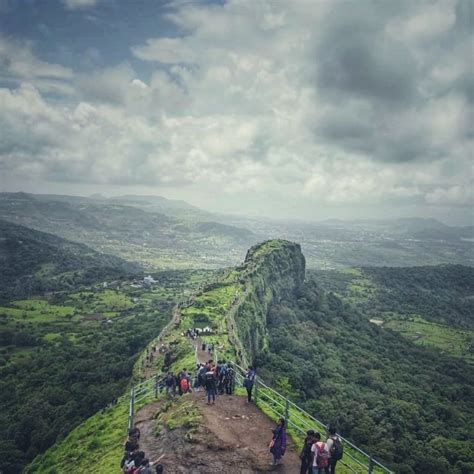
(88,286)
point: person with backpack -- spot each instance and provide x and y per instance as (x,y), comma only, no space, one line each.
(249,382)
(184,386)
(335,449)
(210,384)
(320,454)
(278,442)
(306,455)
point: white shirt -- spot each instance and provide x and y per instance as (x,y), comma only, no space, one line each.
(314,450)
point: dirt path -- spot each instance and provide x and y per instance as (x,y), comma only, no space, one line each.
(232,438)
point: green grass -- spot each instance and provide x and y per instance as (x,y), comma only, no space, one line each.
(176,414)
(101,301)
(97,443)
(38,311)
(453,341)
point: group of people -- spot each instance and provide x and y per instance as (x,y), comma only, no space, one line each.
(180,383)
(317,456)
(215,379)
(134,461)
(194,333)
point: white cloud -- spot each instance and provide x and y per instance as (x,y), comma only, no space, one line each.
(454,195)
(236,106)
(18,61)
(79,4)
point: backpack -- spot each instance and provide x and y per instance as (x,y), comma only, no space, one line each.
(322,455)
(209,376)
(184,385)
(336,449)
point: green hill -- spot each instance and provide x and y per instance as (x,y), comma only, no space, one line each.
(36,262)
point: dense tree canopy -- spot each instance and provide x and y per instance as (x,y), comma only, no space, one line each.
(409,406)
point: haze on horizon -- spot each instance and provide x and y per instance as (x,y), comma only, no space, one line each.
(298,109)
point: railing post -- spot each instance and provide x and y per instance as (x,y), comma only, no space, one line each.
(287,410)
(156,386)
(371,465)
(131,409)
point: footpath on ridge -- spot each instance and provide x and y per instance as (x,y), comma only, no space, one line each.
(231,436)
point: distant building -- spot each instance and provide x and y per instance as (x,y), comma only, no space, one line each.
(149,280)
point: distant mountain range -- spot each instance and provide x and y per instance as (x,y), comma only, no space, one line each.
(130,228)
(162,233)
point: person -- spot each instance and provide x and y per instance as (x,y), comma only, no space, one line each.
(131,444)
(134,433)
(229,379)
(306,455)
(145,467)
(249,382)
(320,455)
(170,384)
(210,384)
(278,442)
(334,446)
(221,371)
(202,374)
(184,385)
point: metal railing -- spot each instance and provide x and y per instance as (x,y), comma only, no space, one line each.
(268,399)
(141,392)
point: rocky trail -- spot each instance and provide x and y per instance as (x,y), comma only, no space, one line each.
(231,436)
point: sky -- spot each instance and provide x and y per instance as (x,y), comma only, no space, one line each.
(290,109)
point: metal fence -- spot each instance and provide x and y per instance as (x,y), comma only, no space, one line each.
(272,402)
(141,392)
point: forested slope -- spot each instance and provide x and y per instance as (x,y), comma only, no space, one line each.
(411,405)
(33,262)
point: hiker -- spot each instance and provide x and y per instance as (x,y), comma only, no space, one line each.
(229,380)
(170,384)
(249,382)
(320,455)
(134,465)
(134,433)
(177,380)
(306,455)
(210,384)
(334,446)
(278,442)
(145,467)
(201,374)
(184,385)
(221,372)
(131,444)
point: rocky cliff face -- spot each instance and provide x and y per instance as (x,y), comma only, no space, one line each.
(273,270)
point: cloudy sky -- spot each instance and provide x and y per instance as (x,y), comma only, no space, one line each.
(302,108)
